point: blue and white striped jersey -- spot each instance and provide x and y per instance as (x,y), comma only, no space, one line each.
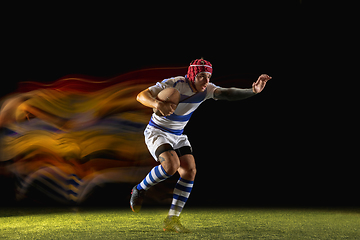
(189,102)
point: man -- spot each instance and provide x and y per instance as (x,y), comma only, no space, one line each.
(164,138)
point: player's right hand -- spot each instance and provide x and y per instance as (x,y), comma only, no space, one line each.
(166,108)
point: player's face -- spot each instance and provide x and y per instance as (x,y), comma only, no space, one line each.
(201,81)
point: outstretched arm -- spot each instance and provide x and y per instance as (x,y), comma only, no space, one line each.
(234,94)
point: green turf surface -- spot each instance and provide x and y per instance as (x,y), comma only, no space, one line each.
(232,223)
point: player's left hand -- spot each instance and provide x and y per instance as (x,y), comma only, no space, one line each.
(259,85)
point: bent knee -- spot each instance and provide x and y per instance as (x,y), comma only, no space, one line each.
(188,173)
(170,162)
(192,172)
(172,169)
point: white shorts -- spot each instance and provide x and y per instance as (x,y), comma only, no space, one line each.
(155,137)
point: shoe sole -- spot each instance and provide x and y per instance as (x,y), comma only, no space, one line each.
(132,209)
(135,210)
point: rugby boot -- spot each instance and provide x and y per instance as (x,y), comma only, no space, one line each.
(137,198)
(172,224)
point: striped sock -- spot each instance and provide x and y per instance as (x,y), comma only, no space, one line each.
(156,175)
(181,194)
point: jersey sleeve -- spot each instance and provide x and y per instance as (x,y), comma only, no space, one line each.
(159,86)
(210,90)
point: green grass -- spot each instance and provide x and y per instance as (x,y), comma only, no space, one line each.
(232,223)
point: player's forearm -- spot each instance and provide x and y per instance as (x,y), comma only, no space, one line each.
(233,94)
(146,99)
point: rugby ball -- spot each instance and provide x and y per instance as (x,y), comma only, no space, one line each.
(168,95)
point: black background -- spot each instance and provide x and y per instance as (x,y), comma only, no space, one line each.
(281,147)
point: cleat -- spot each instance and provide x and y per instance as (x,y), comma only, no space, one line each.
(136,200)
(172,224)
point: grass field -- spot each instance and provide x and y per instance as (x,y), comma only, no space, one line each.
(218,223)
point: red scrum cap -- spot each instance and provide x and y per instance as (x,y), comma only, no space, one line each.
(198,66)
